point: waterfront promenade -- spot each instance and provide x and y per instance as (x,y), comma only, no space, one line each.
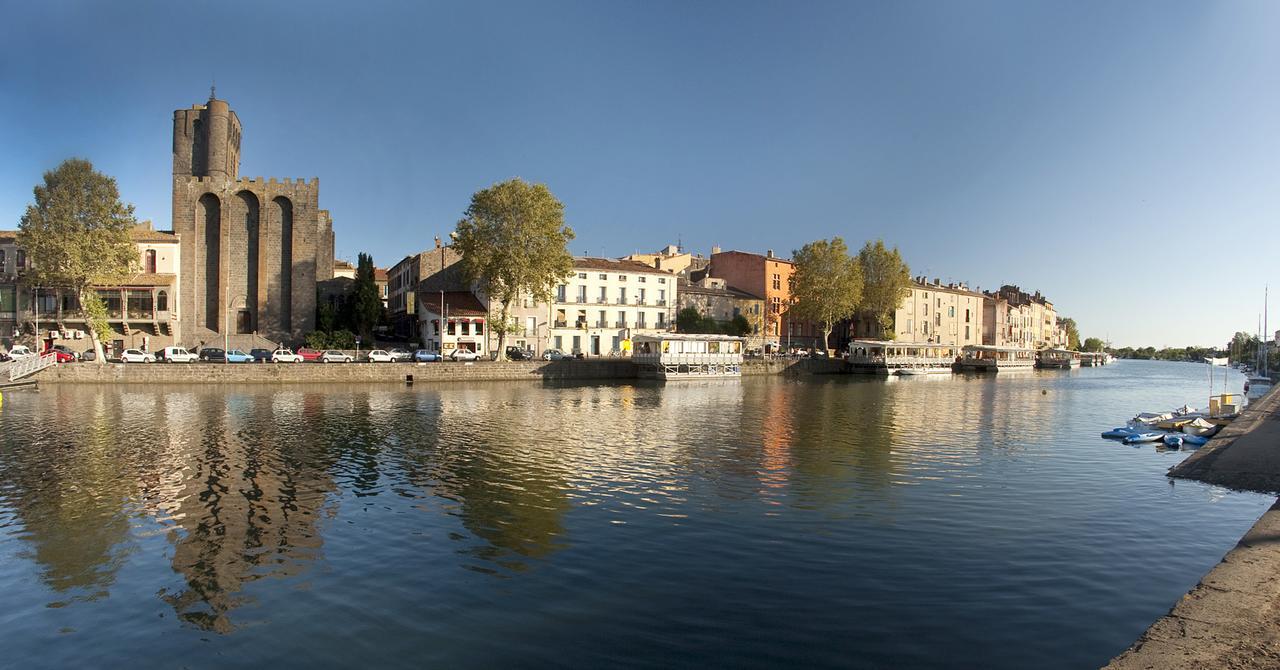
(1231,619)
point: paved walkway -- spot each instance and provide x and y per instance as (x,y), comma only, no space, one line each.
(1231,619)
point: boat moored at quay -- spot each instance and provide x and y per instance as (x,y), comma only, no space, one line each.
(900,358)
(1058,359)
(673,356)
(987,358)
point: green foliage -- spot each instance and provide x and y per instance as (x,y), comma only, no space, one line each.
(338,339)
(739,326)
(513,241)
(365,304)
(342,339)
(886,281)
(827,284)
(1093,344)
(326,316)
(688,320)
(1192,354)
(1073,333)
(76,235)
(317,339)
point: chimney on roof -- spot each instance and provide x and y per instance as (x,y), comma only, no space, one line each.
(437,241)
(937,282)
(715,250)
(769,253)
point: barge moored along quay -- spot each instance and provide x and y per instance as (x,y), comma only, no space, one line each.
(987,358)
(900,358)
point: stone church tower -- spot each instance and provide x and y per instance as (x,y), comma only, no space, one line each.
(252,249)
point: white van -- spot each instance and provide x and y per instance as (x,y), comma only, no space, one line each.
(175,355)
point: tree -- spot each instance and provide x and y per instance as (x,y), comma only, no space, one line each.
(513,241)
(76,236)
(827,284)
(366,304)
(1073,333)
(688,320)
(886,281)
(1093,344)
(738,327)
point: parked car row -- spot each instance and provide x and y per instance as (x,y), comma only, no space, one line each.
(177,354)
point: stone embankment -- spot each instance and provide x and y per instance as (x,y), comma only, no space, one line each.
(358,373)
(1231,619)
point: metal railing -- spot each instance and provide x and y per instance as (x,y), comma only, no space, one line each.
(31,365)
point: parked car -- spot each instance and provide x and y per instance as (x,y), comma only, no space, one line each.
(464,355)
(89,355)
(285,356)
(424,356)
(335,356)
(136,356)
(401,355)
(380,356)
(554,355)
(62,356)
(260,355)
(518,354)
(237,356)
(213,355)
(20,351)
(75,355)
(176,355)
(312,355)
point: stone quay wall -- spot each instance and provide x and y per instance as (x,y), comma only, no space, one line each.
(382,373)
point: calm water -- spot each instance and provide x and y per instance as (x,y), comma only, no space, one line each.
(966,522)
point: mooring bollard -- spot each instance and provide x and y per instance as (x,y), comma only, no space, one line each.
(408,379)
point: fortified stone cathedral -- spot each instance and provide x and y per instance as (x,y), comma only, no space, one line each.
(252,249)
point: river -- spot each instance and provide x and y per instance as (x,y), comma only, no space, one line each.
(820,522)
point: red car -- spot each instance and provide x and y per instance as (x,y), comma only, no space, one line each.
(63,357)
(310,355)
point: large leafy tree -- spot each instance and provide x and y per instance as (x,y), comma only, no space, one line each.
(886,281)
(1073,333)
(513,242)
(76,235)
(827,284)
(1093,344)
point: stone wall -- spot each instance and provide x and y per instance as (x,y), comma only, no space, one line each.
(348,373)
(336,373)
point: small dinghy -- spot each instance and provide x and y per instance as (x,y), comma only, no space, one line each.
(1118,433)
(1199,427)
(1173,440)
(1136,438)
(1194,440)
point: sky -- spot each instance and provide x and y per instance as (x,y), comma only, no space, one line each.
(1121,158)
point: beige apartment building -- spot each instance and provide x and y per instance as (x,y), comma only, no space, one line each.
(1022,319)
(934,313)
(605,302)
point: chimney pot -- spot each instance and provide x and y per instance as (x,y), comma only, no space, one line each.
(770,253)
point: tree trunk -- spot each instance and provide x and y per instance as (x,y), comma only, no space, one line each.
(826,338)
(502,330)
(99,355)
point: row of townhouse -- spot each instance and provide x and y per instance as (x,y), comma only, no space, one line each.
(604,303)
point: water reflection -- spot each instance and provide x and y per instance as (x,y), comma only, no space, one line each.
(499,516)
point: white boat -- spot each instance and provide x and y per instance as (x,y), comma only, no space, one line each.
(1199,427)
(900,358)
(986,358)
(1058,358)
(1221,362)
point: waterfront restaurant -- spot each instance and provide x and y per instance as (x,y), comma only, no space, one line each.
(900,358)
(1058,358)
(986,358)
(687,356)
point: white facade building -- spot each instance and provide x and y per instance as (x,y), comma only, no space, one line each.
(605,303)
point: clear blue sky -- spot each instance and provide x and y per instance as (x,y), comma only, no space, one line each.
(1121,157)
